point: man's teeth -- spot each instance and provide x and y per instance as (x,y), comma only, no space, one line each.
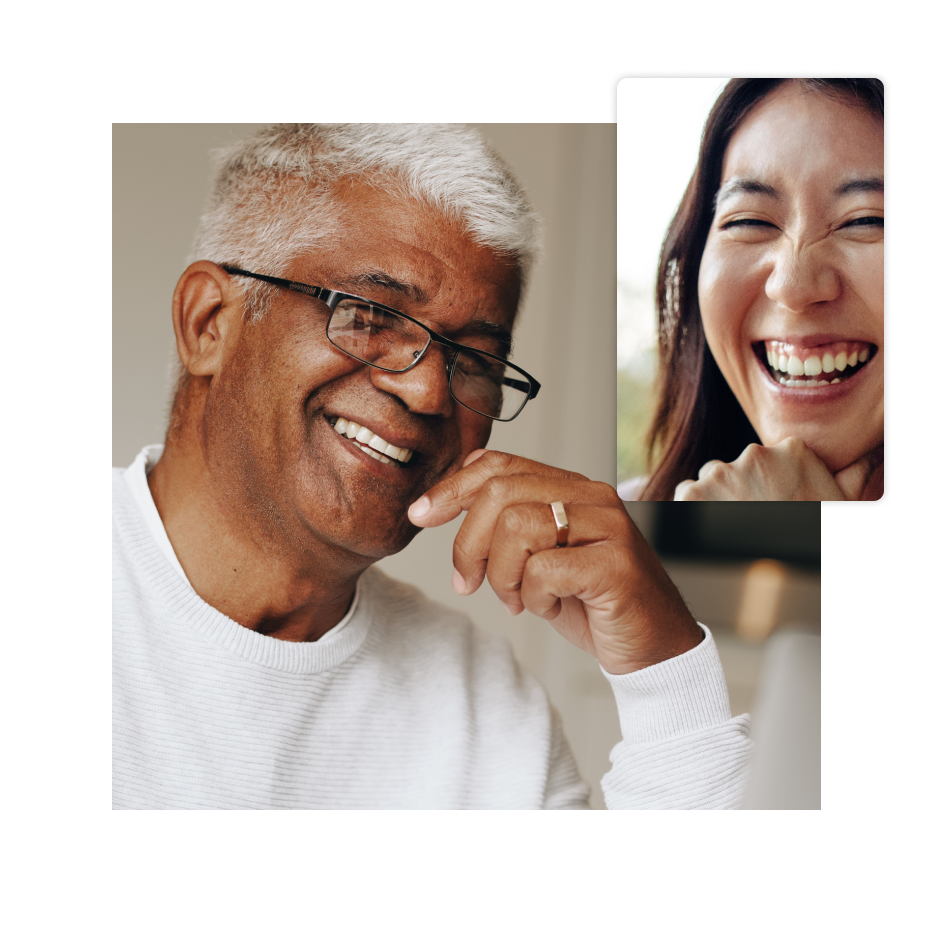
(371,443)
(831,359)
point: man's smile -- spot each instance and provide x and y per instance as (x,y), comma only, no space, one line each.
(371,443)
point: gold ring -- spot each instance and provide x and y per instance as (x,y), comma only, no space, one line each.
(561,521)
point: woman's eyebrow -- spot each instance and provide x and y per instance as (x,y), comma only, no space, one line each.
(744,186)
(752,186)
(873,185)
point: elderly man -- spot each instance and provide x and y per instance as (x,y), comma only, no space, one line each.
(343,335)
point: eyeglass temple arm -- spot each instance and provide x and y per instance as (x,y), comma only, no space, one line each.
(313,290)
(532,385)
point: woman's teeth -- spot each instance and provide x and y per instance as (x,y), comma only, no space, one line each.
(371,443)
(821,366)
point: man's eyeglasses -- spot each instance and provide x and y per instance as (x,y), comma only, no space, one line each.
(390,340)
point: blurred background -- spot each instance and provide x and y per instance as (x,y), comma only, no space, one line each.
(748,577)
(658,137)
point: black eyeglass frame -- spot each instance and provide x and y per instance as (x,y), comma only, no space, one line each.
(332,298)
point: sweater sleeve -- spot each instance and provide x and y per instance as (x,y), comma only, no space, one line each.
(680,749)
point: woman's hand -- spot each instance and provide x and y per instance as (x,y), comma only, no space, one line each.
(864,479)
(606,592)
(788,471)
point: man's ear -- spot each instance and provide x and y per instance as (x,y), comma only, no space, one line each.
(207,315)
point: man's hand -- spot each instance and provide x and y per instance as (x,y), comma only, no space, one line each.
(606,592)
(788,471)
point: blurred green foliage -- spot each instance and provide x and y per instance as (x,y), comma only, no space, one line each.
(635,404)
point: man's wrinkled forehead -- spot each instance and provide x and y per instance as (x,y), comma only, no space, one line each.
(405,253)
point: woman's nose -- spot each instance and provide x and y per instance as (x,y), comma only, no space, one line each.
(424,388)
(802,276)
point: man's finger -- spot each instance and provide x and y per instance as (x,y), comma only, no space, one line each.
(529,528)
(446,500)
(493,505)
(472,456)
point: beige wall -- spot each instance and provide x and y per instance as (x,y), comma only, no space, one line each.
(565,337)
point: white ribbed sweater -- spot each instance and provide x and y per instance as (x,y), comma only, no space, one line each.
(407,706)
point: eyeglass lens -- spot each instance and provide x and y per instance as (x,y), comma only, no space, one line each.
(479,381)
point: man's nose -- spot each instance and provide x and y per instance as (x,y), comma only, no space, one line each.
(423,389)
(803,276)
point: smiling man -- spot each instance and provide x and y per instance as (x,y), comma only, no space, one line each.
(344,336)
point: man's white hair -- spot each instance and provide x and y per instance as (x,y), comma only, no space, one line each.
(274,194)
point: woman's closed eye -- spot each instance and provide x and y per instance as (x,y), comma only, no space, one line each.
(746,222)
(755,229)
(869,228)
(867,221)
(748,229)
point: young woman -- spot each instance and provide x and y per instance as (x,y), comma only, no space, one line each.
(770,301)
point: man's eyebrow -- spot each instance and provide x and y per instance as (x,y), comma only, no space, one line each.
(745,186)
(382,280)
(503,336)
(873,185)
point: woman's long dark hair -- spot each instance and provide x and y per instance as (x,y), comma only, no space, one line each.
(698,418)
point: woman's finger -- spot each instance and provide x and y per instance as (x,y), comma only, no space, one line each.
(681,490)
(707,468)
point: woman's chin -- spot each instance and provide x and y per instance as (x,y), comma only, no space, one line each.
(835,452)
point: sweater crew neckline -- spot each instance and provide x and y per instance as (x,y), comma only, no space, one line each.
(333,649)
